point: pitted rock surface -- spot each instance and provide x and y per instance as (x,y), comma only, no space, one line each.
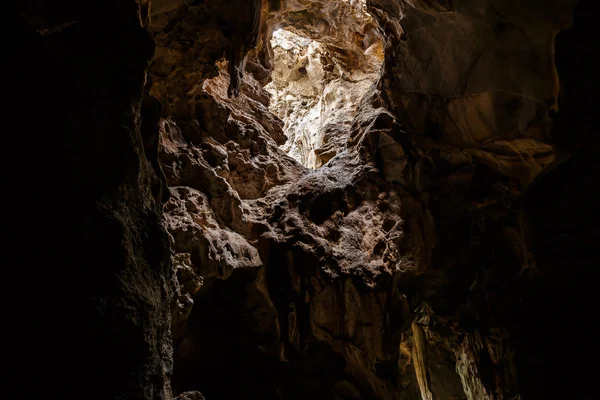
(396,203)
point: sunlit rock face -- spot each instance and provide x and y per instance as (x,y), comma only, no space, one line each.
(316,96)
(296,93)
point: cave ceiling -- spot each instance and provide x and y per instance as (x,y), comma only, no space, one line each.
(345,199)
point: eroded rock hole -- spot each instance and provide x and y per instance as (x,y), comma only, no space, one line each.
(317,85)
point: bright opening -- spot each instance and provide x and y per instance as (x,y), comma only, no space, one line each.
(316,89)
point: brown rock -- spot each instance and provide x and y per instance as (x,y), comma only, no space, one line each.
(444,249)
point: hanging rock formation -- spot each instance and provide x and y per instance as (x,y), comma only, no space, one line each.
(443,249)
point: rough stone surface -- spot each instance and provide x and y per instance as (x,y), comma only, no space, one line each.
(191,396)
(445,249)
(475,75)
(98,262)
(391,271)
(316,95)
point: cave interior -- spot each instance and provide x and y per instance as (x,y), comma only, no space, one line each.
(302,199)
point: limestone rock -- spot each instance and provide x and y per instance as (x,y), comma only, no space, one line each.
(389,272)
(100,280)
(477,75)
(372,262)
(316,95)
(444,248)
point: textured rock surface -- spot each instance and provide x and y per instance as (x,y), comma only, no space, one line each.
(100,277)
(476,75)
(444,251)
(390,272)
(190,396)
(316,95)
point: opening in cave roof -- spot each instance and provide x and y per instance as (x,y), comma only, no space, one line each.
(318,81)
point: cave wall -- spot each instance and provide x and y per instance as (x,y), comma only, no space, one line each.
(476,76)
(446,253)
(406,266)
(97,264)
(559,205)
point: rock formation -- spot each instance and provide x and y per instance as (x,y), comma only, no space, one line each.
(434,242)
(317,95)
(99,271)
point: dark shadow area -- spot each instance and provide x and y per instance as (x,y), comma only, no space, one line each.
(557,329)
